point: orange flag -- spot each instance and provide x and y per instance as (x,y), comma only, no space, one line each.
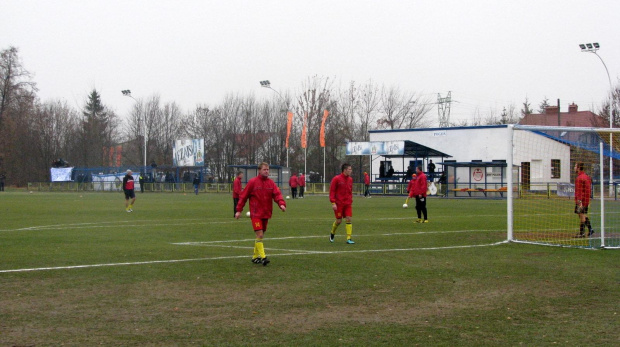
(119,150)
(304,136)
(322,134)
(288,126)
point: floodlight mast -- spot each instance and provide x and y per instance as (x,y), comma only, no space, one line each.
(592,48)
(127,92)
(267,84)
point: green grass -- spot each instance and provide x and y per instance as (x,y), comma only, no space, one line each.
(116,278)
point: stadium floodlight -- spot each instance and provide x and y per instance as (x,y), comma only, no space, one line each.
(267,84)
(127,92)
(592,48)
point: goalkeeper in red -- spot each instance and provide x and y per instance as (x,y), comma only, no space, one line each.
(417,188)
(261,190)
(341,197)
(583,190)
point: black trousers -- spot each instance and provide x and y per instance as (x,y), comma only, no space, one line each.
(420,206)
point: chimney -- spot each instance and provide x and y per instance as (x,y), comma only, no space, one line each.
(572,108)
(551,110)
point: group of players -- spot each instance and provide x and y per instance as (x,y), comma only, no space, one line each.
(261,191)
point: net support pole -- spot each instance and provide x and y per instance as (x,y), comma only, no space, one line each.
(602,188)
(509,206)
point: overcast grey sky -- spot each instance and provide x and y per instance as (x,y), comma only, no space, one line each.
(489,53)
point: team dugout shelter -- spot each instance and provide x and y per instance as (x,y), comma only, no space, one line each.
(397,155)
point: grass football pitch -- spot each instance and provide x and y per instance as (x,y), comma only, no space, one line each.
(77,270)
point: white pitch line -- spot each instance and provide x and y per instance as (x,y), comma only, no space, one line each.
(199,243)
(245,256)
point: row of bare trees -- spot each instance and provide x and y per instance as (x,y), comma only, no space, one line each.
(240,130)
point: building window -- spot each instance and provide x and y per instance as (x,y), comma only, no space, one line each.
(555,168)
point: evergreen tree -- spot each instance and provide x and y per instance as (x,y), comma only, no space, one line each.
(543,105)
(97,126)
(526,108)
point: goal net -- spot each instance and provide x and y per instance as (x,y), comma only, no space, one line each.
(542,208)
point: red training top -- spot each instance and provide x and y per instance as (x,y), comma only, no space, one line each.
(260,190)
(583,188)
(301,180)
(418,186)
(293,181)
(237,188)
(341,190)
(366,179)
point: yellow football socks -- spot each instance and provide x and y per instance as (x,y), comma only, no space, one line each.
(334,227)
(258,247)
(349,228)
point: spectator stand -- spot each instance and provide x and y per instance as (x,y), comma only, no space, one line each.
(414,154)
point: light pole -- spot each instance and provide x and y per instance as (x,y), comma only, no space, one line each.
(592,48)
(127,92)
(267,84)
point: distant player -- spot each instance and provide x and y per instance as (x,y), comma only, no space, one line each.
(128,189)
(237,189)
(417,188)
(583,190)
(301,183)
(261,190)
(341,197)
(366,185)
(293,182)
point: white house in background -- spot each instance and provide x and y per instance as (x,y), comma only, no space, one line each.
(540,159)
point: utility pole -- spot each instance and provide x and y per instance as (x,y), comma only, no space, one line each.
(443,108)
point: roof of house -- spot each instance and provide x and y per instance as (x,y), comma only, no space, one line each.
(572,118)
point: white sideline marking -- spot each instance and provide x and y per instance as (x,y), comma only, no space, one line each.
(245,256)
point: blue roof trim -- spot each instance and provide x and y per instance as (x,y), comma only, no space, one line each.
(435,129)
(591,148)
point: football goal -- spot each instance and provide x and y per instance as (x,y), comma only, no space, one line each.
(542,208)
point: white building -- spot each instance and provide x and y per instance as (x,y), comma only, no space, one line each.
(539,158)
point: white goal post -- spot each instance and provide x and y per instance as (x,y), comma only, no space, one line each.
(541,208)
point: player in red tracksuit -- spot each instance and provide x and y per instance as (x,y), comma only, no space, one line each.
(417,188)
(301,183)
(366,185)
(583,190)
(261,190)
(237,189)
(341,197)
(292,182)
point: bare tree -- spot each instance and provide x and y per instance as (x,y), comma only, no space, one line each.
(402,110)
(315,97)
(166,129)
(15,81)
(52,132)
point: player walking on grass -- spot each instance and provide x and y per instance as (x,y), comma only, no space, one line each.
(417,187)
(583,190)
(261,190)
(341,197)
(128,189)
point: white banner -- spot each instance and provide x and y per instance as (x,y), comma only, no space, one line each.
(188,152)
(61,174)
(376,148)
(113,182)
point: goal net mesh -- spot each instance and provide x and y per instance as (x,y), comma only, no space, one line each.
(543,180)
